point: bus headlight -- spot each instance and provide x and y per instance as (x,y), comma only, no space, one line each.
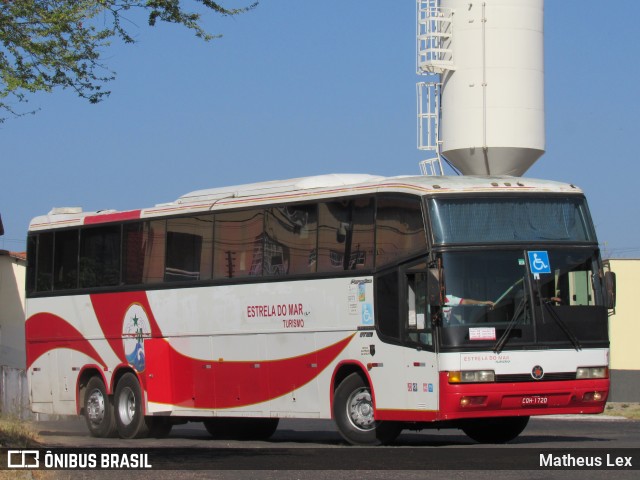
(592,372)
(472,376)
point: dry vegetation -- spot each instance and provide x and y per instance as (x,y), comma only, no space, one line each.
(621,409)
(16,433)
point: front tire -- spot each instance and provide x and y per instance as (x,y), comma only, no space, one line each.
(495,430)
(354,414)
(98,410)
(127,403)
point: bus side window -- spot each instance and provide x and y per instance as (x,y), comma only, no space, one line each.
(363,240)
(153,238)
(189,248)
(65,260)
(32,252)
(387,305)
(345,235)
(399,229)
(290,240)
(100,256)
(133,242)
(238,244)
(404,318)
(418,324)
(44,263)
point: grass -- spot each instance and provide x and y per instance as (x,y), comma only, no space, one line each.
(622,409)
(15,433)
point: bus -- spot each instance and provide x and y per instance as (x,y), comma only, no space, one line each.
(381,303)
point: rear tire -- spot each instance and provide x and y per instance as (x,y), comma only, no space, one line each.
(98,410)
(240,428)
(127,404)
(353,413)
(495,430)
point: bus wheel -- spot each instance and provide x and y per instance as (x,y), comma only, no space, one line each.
(353,413)
(127,403)
(98,411)
(231,428)
(494,430)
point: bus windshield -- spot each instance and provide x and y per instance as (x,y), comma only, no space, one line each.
(510,219)
(489,293)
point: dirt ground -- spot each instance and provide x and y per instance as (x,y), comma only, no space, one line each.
(622,409)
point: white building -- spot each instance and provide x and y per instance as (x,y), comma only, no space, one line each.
(13,268)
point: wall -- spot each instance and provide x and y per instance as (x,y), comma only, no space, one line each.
(624,332)
(12,313)
(14,395)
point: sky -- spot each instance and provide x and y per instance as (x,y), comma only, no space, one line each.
(297,88)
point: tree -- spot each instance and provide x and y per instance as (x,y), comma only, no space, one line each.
(49,44)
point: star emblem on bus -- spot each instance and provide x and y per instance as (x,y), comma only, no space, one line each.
(135,329)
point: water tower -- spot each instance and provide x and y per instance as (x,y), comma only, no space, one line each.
(482,108)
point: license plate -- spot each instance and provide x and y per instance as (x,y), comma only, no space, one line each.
(535,401)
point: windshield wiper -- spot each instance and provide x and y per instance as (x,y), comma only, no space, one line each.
(517,314)
(563,326)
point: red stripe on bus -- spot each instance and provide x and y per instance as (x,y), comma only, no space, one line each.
(176,379)
(46,332)
(112,217)
(406,415)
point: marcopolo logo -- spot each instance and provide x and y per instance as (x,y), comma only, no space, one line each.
(23,459)
(537,372)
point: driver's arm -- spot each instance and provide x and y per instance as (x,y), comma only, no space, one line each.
(469,301)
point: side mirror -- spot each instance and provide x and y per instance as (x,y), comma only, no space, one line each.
(610,290)
(433,287)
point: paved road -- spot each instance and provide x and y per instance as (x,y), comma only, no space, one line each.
(298,443)
(570,431)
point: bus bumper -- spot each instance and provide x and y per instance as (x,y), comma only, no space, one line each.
(522,398)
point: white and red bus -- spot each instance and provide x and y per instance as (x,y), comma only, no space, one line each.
(383,303)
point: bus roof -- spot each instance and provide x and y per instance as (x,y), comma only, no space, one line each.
(305,188)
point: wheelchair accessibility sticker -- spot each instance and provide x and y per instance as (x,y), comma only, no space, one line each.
(367,314)
(539,262)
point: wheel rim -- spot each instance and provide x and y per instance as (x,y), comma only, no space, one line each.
(360,409)
(95,407)
(127,406)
